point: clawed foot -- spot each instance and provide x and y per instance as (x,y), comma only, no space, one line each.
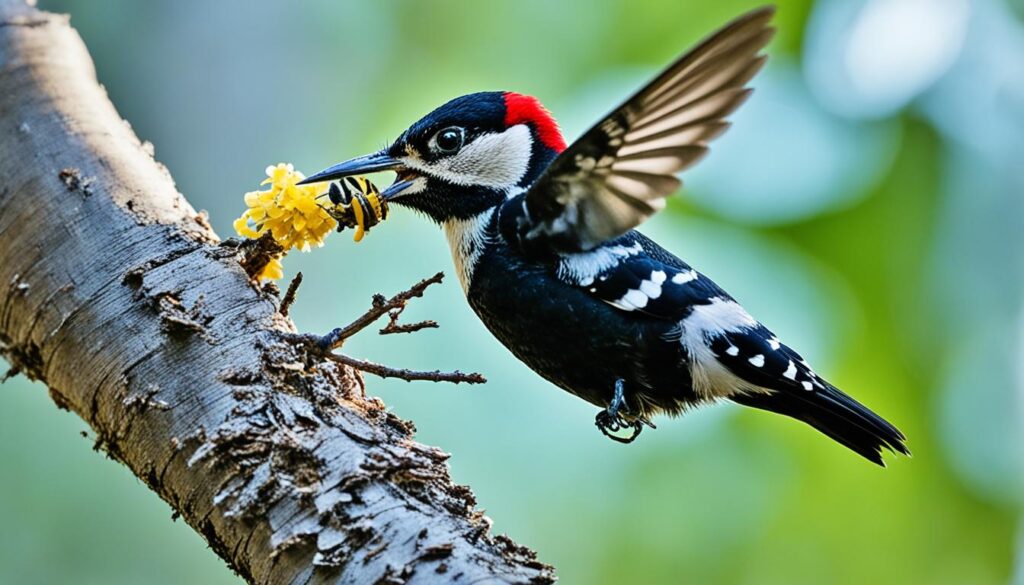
(610,423)
(616,418)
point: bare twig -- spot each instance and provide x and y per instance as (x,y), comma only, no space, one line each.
(393,307)
(380,307)
(394,326)
(455,377)
(289,295)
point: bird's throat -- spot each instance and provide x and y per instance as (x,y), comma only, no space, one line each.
(467,239)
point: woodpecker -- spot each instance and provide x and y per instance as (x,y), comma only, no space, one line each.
(542,237)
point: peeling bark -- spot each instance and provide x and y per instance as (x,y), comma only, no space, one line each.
(117,295)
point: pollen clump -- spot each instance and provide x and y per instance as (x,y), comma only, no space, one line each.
(289,212)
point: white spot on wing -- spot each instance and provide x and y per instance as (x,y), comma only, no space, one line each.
(634,299)
(684,277)
(807,385)
(790,371)
(650,288)
(757,361)
(733,350)
(774,343)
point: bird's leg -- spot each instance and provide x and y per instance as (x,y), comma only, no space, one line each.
(611,419)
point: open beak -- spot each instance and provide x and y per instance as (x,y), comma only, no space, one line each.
(371,163)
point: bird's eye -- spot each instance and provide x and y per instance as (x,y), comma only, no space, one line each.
(450,139)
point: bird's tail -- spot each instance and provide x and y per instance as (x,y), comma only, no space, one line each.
(837,415)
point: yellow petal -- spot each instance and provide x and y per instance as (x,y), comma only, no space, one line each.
(241,226)
(307,205)
(280,231)
(273,270)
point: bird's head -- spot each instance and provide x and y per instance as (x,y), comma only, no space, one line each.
(464,157)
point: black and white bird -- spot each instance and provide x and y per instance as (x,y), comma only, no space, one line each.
(543,242)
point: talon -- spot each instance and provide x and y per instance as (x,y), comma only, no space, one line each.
(607,428)
(611,419)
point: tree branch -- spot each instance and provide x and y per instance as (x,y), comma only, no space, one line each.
(378,309)
(455,377)
(114,292)
(289,295)
(393,307)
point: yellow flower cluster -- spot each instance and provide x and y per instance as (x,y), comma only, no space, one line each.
(288,211)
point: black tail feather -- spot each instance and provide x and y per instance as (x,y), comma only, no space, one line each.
(837,415)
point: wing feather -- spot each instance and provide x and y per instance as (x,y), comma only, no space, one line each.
(619,172)
(715,105)
(663,161)
(687,135)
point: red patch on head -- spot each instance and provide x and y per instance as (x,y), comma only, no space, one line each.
(524,109)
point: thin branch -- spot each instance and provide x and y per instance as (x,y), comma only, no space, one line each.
(289,295)
(394,326)
(455,377)
(393,307)
(380,307)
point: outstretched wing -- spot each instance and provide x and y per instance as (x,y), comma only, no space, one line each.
(618,173)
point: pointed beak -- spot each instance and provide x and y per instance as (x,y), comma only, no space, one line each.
(395,189)
(371,163)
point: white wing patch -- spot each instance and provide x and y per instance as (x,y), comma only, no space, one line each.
(582,268)
(711,379)
(632,300)
(652,286)
(648,290)
(685,277)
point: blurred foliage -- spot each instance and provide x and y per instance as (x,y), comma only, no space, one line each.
(875,271)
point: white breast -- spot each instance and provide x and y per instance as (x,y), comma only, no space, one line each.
(466,238)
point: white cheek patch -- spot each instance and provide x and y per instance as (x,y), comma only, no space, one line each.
(497,160)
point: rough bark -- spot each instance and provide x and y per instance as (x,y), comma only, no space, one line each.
(116,294)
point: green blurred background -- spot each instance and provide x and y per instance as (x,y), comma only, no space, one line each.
(867,205)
